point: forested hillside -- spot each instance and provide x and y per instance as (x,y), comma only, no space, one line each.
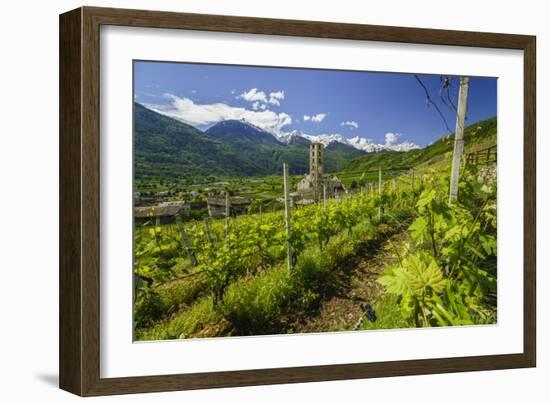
(479,134)
(165,147)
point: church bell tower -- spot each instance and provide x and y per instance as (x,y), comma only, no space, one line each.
(316,168)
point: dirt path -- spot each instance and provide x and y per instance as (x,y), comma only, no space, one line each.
(353,286)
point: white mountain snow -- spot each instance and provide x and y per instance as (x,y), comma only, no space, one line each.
(360,143)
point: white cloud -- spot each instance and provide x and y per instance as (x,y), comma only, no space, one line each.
(351,124)
(187,111)
(253,95)
(260,99)
(275,98)
(319,117)
(257,105)
(193,91)
(391,138)
(315,118)
(285,119)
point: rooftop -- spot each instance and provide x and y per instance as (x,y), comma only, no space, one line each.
(234,201)
(156,211)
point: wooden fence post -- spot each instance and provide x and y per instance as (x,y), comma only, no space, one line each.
(459,138)
(207,228)
(186,242)
(379,192)
(227,213)
(287,216)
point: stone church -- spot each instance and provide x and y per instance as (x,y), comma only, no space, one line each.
(314,185)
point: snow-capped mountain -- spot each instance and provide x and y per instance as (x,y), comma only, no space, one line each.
(357,142)
(230,147)
(365,144)
(250,129)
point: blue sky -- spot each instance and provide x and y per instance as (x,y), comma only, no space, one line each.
(364,104)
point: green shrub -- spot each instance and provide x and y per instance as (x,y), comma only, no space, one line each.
(388,315)
(148,308)
(311,272)
(181,292)
(251,303)
(185,324)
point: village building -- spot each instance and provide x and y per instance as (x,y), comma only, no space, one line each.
(157,214)
(314,186)
(237,206)
(184,205)
(294,197)
(197,204)
(303,202)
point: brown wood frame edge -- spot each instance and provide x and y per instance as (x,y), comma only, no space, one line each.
(79,200)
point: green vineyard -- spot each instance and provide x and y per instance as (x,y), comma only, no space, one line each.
(248,275)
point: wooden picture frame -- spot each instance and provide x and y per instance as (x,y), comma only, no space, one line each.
(79,346)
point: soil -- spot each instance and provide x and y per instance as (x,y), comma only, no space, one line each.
(352,287)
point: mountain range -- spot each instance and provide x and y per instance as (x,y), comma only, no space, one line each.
(357,142)
(165,147)
(480,134)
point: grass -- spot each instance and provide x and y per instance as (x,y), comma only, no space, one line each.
(182,291)
(254,304)
(184,323)
(388,315)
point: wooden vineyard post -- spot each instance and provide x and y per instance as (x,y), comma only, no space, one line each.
(261,210)
(287,216)
(227,212)
(459,138)
(412,180)
(379,193)
(324,196)
(186,242)
(207,228)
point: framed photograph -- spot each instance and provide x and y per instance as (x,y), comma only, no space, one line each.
(248,201)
